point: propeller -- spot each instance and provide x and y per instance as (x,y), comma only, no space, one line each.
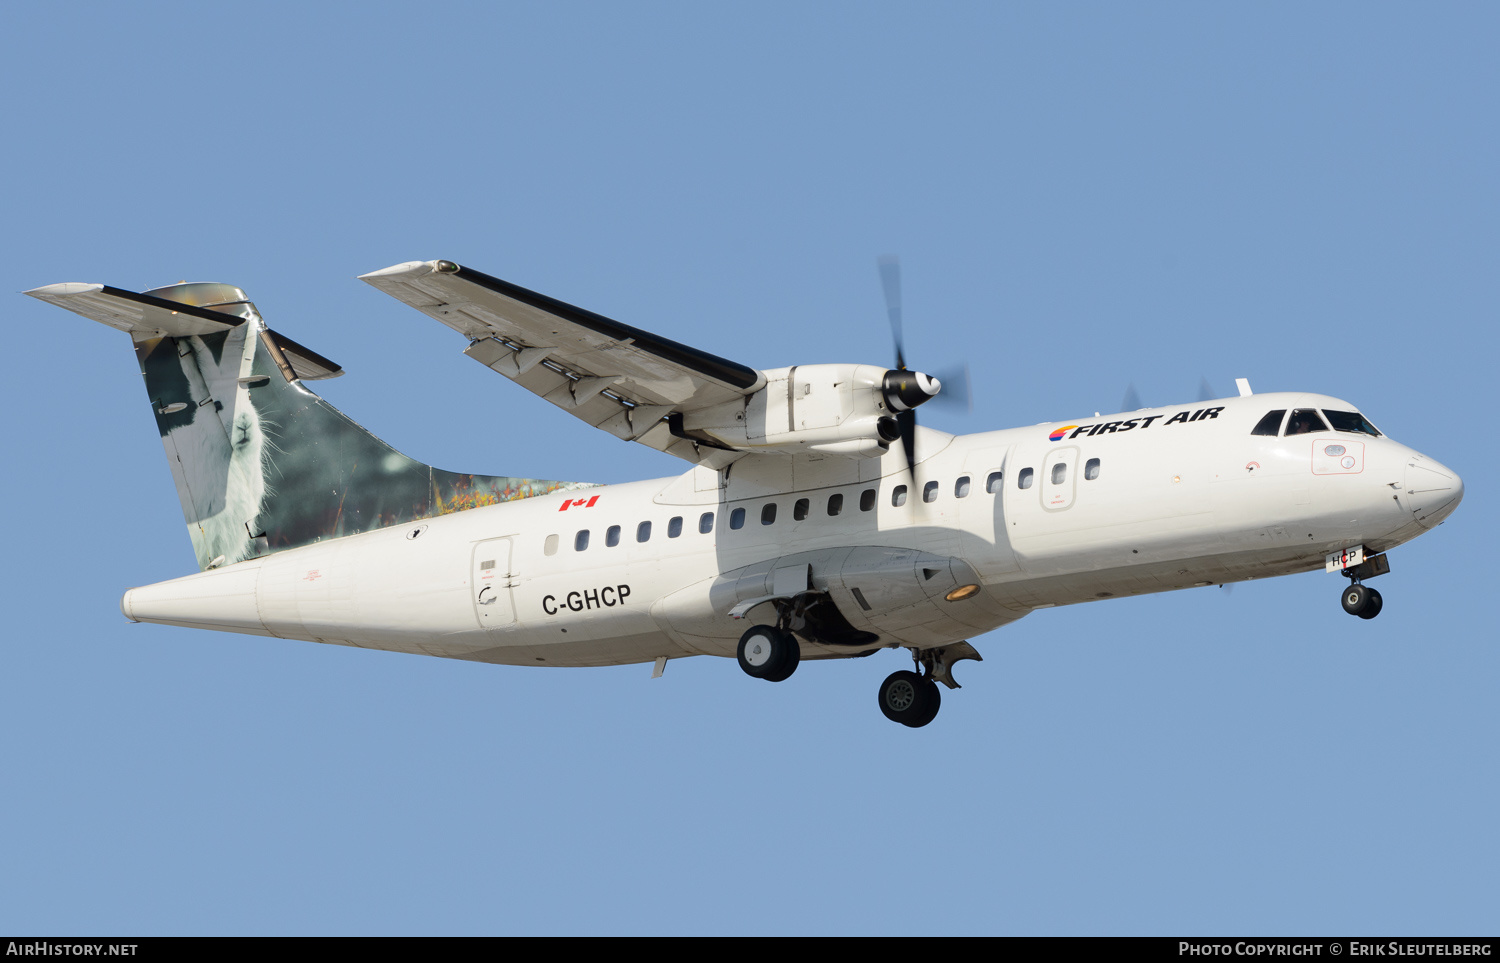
(956,394)
(890,281)
(904,389)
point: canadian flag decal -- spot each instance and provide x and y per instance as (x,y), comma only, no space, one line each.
(577,503)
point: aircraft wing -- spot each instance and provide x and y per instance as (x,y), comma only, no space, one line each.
(631,383)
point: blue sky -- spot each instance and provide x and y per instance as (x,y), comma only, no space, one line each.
(1083,196)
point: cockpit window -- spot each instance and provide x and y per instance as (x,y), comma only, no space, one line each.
(1305,420)
(1350,421)
(1270,424)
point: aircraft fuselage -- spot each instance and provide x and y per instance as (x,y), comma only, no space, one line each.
(1054,514)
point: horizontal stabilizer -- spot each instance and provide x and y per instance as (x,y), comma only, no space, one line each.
(143,316)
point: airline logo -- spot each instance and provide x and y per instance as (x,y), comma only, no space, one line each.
(1110,427)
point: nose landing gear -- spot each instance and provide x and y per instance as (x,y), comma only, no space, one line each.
(1359,599)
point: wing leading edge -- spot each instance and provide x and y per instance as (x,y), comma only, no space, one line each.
(628,382)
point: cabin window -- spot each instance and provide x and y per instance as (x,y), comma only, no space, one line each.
(1304,421)
(612,536)
(929,491)
(674,527)
(898,496)
(799,510)
(549,547)
(1024,479)
(643,532)
(992,484)
(1350,421)
(768,514)
(737,519)
(961,487)
(835,503)
(1059,473)
(581,541)
(1091,469)
(1270,424)
(706,522)
(867,500)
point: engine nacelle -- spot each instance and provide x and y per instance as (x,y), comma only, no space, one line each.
(842,409)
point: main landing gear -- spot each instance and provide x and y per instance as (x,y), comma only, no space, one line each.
(769,653)
(911,698)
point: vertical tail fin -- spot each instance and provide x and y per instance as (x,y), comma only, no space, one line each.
(261,463)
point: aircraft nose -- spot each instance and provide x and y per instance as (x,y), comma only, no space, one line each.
(1433,490)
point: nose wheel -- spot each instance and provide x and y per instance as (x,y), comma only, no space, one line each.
(1361,600)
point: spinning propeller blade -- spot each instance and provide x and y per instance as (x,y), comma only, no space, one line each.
(890,281)
(905,390)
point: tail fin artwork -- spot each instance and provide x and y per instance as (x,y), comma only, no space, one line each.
(260,462)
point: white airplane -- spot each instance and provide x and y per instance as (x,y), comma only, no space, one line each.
(818,520)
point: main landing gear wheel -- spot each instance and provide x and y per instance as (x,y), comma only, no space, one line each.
(1363,601)
(909,699)
(769,653)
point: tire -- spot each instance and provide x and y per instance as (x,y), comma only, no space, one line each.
(763,653)
(909,699)
(791,658)
(1355,599)
(934,703)
(1372,605)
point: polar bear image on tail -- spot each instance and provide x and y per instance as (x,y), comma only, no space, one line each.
(234,415)
(214,438)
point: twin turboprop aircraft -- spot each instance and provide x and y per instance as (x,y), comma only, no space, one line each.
(818,521)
